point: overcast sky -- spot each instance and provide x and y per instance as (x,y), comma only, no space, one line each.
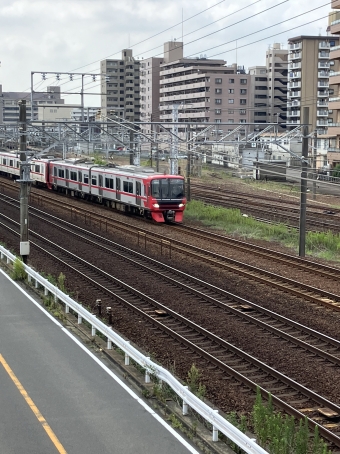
(74,35)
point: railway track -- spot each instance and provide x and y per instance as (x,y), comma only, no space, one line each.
(228,362)
(269,208)
(245,270)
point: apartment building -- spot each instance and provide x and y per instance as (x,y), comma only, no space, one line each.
(308,80)
(277,71)
(9,108)
(205,91)
(149,89)
(120,79)
(334,82)
(259,107)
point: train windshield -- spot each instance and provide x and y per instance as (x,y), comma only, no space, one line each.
(167,188)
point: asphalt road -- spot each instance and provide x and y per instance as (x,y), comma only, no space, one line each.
(56,397)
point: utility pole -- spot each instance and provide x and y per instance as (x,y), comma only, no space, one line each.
(174,144)
(188,194)
(315,146)
(131,146)
(24,182)
(303,195)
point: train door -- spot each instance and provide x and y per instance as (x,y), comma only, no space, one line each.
(67,178)
(80,180)
(118,196)
(138,193)
(100,184)
(55,175)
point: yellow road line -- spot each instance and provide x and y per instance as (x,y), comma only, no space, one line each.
(32,406)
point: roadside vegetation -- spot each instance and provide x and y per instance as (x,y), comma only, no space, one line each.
(324,245)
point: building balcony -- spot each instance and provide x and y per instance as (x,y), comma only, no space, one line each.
(322,123)
(293,122)
(295,46)
(322,113)
(335,27)
(294,75)
(323,84)
(294,85)
(183,87)
(323,94)
(335,4)
(292,66)
(295,56)
(323,55)
(323,74)
(324,45)
(293,103)
(295,94)
(294,113)
(322,103)
(323,65)
(185,97)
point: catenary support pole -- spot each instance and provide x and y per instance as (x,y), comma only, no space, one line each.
(24,182)
(315,145)
(303,195)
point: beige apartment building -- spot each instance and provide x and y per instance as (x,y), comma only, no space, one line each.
(309,65)
(120,93)
(334,81)
(205,91)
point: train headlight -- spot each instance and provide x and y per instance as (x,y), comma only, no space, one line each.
(181,205)
(155,205)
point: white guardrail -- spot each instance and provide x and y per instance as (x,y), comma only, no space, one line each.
(189,399)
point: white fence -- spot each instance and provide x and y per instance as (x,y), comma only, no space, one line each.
(189,399)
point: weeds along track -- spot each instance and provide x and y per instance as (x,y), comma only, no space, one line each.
(264,208)
(185,328)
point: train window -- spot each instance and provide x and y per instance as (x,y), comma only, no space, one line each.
(18,164)
(94,180)
(128,186)
(164,188)
(73,176)
(80,177)
(55,171)
(176,188)
(67,174)
(61,173)
(37,168)
(4,161)
(86,178)
(155,190)
(109,183)
(11,162)
(118,187)
(100,180)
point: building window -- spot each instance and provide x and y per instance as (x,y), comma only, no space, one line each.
(243,120)
(243,81)
(218,91)
(242,112)
(243,91)
(218,120)
(230,112)
(231,90)
(218,81)
(217,111)
(230,101)
(230,120)
(218,101)
(243,101)
(231,81)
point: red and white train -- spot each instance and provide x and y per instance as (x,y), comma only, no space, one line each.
(138,190)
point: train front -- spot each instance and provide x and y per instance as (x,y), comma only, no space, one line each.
(166,198)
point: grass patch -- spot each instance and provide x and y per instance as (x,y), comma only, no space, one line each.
(323,244)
